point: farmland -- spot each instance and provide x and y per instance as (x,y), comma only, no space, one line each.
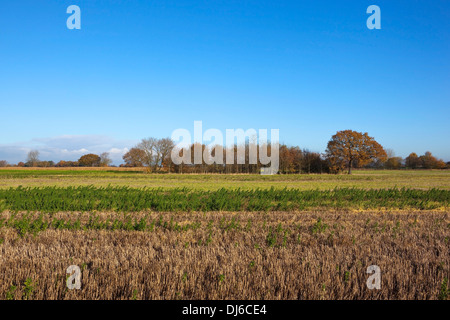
(157,236)
(137,178)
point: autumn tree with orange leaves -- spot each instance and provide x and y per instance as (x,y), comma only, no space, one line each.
(349,148)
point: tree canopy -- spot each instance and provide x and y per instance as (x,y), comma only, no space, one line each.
(89,160)
(348,148)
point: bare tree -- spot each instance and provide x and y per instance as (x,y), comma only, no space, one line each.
(149,147)
(390,153)
(164,149)
(105,160)
(33,158)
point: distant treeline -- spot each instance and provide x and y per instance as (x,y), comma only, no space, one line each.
(346,150)
(292,160)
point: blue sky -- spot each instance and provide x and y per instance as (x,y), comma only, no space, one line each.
(145,68)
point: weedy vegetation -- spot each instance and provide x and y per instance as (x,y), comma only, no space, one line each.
(124,199)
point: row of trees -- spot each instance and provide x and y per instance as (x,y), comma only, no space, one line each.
(87,160)
(413,161)
(152,153)
(157,157)
(346,150)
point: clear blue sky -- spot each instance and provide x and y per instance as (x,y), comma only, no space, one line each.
(145,68)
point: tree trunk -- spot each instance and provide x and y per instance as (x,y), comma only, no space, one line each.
(350,167)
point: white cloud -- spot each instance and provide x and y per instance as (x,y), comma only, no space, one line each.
(118,151)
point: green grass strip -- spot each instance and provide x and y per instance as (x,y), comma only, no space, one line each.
(124,199)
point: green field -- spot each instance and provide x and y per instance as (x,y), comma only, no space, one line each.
(124,199)
(110,189)
(364,179)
